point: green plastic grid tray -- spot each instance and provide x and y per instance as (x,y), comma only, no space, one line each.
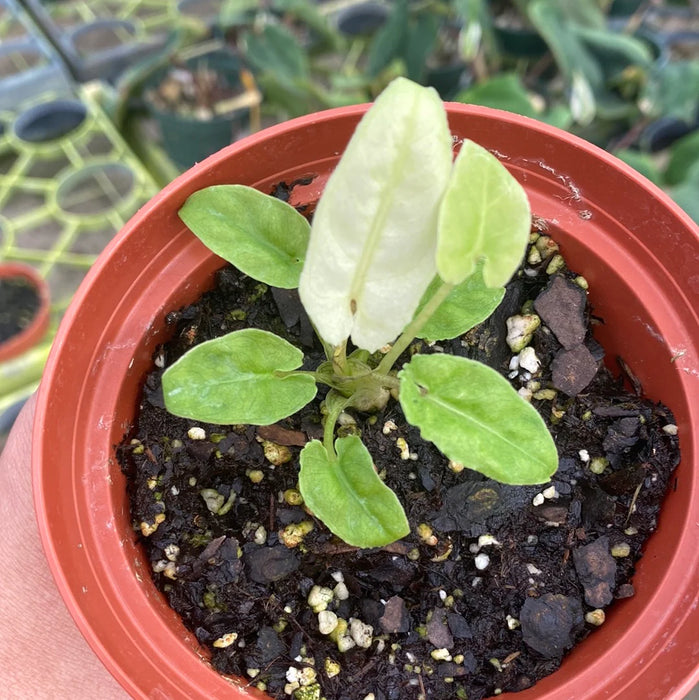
(101,38)
(68,183)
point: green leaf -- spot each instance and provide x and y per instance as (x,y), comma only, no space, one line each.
(238,378)
(276,50)
(475,417)
(262,236)
(388,42)
(684,155)
(685,194)
(672,90)
(419,44)
(347,494)
(557,30)
(485,214)
(234,13)
(468,303)
(641,162)
(614,51)
(371,253)
(505,91)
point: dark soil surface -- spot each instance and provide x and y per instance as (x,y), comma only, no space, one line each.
(493,585)
(19,302)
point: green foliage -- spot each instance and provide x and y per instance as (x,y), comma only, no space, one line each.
(276,50)
(484,199)
(346,493)
(684,155)
(243,377)
(685,193)
(589,55)
(262,236)
(493,431)
(468,304)
(369,272)
(408,36)
(672,90)
(360,231)
(677,171)
(504,91)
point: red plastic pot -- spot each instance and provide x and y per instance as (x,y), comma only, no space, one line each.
(34,332)
(639,252)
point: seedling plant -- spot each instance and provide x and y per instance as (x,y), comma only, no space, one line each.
(406,243)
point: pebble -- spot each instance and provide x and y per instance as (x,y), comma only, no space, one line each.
(361,633)
(327,621)
(528,360)
(481,561)
(225,640)
(395,618)
(520,329)
(438,631)
(595,617)
(268,564)
(196,433)
(319,598)
(621,550)
(512,622)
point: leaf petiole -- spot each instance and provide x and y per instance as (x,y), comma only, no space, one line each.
(335,404)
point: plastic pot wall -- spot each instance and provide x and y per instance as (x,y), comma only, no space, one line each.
(34,331)
(637,249)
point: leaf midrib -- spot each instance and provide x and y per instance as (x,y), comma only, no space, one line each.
(483,426)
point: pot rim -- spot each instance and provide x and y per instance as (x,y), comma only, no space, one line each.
(34,332)
(677,609)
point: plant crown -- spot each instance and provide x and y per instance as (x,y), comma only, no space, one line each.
(406,242)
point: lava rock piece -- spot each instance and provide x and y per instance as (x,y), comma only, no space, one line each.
(269,646)
(478,506)
(552,512)
(393,570)
(549,623)
(289,305)
(622,434)
(223,566)
(596,570)
(395,616)
(598,507)
(458,626)
(438,630)
(624,481)
(561,307)
(371,611)
(572,370)
(268,564)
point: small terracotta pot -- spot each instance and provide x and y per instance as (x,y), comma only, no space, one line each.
(33,333)
(637,249)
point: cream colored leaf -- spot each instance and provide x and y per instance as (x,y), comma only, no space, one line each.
(373,239)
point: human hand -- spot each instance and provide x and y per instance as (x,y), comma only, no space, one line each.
(43,656)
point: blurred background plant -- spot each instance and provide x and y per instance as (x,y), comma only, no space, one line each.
(623,74)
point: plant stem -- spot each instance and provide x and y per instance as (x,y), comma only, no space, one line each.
(335,408)
(414,327)
(339,358)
